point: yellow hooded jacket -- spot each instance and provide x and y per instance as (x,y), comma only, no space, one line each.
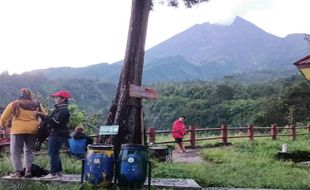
(25,123)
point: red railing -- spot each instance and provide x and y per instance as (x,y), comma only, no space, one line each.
(224,134)
(247,132)
(4,137)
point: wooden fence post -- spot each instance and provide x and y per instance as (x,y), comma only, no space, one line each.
(308,127)
(152,135)
(192,136)
(274,131)
(224,134)
(251,132)
(293,131)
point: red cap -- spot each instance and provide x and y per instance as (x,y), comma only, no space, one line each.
(62,93)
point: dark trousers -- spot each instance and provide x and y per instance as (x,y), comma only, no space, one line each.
(55,143)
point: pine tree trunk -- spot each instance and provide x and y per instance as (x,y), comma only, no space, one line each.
(125,111)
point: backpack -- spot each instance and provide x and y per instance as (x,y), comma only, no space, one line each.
(33,106)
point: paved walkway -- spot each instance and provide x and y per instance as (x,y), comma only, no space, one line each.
(67,178)
(191,155)
(226,188)
(158,183)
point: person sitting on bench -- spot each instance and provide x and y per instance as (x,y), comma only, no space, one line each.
(78,142)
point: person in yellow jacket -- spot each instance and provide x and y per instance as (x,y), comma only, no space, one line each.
(24,127)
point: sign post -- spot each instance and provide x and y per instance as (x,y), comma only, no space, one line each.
(143,93)
(303,66)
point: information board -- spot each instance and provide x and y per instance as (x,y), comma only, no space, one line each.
(108,130)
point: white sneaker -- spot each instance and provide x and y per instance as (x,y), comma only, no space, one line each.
(59,175)
(16,175)
(50,176)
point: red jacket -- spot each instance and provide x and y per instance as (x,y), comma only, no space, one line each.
(178,129)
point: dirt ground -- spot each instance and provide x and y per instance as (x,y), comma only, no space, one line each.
(191,155)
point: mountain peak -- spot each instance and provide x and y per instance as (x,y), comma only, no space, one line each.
(242,23)
(246,27)
(238,20)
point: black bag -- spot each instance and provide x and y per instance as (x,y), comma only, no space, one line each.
(43,133)
(36,171)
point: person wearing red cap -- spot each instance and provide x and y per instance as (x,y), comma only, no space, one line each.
(58,121)
(62,94)
(23,131)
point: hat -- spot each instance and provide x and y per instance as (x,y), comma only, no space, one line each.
(25,94)
(62,93)
(79,129)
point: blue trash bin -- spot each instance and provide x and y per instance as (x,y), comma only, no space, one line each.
(131,166)
(99,165)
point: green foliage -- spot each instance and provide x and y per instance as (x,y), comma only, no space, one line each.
(5,165)
(76,117)
(92,121)
(79,118)
(232,102)
(236,100)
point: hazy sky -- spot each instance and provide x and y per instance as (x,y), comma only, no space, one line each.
(37,34)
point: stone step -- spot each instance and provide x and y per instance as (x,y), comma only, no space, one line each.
(155,182)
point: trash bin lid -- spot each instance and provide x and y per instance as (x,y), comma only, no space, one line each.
(133,147)
(99,147)
(158,147)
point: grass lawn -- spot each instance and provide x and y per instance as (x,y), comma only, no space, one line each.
(244,164)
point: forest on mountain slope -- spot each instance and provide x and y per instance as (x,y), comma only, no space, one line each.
(90,95)
(231,100)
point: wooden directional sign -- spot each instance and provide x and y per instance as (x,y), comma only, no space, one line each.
(108,130)
(304,66)
(142,92)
